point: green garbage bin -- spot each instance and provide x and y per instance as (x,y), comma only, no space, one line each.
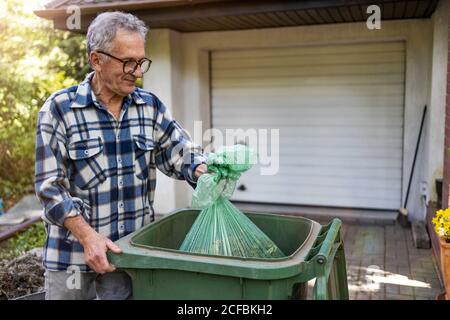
(160,271)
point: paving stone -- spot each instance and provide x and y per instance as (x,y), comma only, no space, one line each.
(366,263)
(406,290)
(419,278)
(362,296)
(425,297)
(427,265)
(378,296)
(392,289)
(351,296)
(434,283)
(422,274)
(403,261)
(398,297)
(419,269)
(391,268)
(426,291)
(404,271)
(392,249)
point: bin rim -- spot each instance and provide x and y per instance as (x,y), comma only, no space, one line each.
(141,257)
(133,243)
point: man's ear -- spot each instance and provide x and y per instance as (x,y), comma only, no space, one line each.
(94,59)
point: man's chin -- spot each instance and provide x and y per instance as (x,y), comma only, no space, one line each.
(128,89)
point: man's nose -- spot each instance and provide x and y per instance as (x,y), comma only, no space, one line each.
(138,72)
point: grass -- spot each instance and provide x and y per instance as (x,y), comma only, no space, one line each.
(32,237)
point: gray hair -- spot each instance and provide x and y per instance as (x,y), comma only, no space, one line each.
(103,29)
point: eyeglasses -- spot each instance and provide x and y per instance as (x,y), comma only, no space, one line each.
(130,65)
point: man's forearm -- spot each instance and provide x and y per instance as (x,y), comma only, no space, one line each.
(79,228)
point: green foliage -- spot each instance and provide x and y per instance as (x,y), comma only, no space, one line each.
(32,237)
(35,61)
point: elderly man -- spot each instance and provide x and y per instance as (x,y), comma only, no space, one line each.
(98,145)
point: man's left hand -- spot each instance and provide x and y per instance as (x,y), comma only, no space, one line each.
(201,169)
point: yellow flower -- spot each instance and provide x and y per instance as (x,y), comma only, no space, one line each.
(441,222)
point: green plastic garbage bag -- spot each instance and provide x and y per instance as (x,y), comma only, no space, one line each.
(220,228)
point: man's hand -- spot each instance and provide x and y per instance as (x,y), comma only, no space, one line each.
(95,247)
(201,169)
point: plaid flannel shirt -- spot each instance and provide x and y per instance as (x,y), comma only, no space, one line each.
(90,164)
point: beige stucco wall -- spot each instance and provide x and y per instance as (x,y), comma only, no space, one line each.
(434,154)
(180,77)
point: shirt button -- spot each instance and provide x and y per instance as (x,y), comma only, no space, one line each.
(120,204)
(121,227)
(120,182)
(118,137)
(86,152)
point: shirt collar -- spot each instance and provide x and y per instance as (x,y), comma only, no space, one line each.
(137,97)
(84,95)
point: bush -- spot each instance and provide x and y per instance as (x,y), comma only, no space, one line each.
(35,61)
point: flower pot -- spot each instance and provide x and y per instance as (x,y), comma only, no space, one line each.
(445,265)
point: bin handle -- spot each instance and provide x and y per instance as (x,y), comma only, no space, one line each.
(330,249)
(327,245)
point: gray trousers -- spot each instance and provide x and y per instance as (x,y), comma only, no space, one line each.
(63,285)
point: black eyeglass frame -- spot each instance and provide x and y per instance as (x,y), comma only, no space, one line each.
(125,61)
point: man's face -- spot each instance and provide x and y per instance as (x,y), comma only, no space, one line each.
(126,45)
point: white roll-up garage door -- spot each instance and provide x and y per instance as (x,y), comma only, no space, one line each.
(339,111)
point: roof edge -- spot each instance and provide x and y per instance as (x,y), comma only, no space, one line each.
(122,6)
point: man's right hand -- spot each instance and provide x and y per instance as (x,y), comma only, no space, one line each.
(95,247)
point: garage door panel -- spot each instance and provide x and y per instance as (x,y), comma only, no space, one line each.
(361,48)
(340,121)
(295,80)
(313,59)
(344,153)
(318,70)
(293,90)
(363,192)
(390,174)
(231,113)
(326,131)
(339,110)
(266,101)
(316,200)
(335,181)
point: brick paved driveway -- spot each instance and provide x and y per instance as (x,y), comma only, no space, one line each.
(382,263)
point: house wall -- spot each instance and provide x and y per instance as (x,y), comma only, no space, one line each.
(164,79)
(446,181)
(191,89)
(435,132)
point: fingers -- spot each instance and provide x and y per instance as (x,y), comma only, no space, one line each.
(201,169)
(99,263)
(113,247)
(95,255)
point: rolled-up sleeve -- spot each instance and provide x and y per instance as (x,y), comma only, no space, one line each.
(51,183)
(176,155)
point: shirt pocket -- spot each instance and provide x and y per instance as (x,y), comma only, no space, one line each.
(89,162)
(143,149)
